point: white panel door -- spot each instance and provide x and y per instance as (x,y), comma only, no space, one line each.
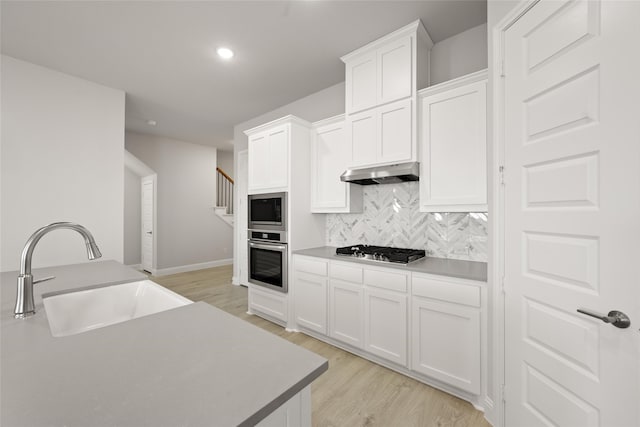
(363,133)
(385,324)
(278,164)
(395,71)
(446,343)
(311,301)
(330,157)
(258,162)
(147,224)
(345,312)
(453,151)
(395,129)
(572,210)
(361,82)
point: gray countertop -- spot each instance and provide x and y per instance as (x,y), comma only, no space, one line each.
(190,366)
(471,270)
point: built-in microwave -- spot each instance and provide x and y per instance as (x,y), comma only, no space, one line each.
(268,211)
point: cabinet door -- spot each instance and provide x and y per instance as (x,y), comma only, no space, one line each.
(345,312)
(278,157)
(330,157)
(453,138)
(395,71)
(395,128)
(363,133)
(385,322)
(446,343)
(361,82)
(258,161)
(311,301)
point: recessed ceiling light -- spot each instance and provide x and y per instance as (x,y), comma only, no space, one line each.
(152,122)
(225,53)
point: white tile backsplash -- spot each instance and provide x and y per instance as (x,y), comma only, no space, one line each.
(391,217)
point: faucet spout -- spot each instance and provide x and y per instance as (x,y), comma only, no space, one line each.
(25,305)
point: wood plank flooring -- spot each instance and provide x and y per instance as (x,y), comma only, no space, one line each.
(354,391)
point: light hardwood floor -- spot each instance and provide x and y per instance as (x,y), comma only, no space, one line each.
(354,391)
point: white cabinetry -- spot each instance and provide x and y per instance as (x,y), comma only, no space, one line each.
(346,304)
(453,171)
(330,157)
(270,153)
(311,293)
(446,331)
(423,325)
(385,313)
(381,82)
(345,312)
(269,303)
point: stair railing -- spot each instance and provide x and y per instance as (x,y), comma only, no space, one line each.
(225,190)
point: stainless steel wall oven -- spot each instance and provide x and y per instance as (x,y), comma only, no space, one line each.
(268,249)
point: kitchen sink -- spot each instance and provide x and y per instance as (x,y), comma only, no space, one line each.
(82,311)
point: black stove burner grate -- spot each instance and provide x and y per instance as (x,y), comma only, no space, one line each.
(382,253)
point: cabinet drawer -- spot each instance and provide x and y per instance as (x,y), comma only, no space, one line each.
(446,291)
(386,280)
(269,303)
(313,266)
(344,272)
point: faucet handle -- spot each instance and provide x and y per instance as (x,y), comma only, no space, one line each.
(44,279)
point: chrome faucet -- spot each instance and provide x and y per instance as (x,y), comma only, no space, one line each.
(25,306)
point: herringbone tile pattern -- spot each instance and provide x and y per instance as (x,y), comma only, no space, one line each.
(391,217)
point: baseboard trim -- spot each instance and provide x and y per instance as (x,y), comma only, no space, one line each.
(192,267)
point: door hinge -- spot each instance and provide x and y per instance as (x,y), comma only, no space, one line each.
(502,287)
(502,71)
(501,172)
(503,392)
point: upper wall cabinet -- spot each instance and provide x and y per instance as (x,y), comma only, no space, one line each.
(270,153)
(330,155)
(381,82)
(453,164)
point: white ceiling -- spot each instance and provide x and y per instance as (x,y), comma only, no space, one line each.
(162,53)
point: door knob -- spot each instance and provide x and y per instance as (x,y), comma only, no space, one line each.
(615,317)
(149,232)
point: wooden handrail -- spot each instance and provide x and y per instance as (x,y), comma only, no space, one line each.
(225,175)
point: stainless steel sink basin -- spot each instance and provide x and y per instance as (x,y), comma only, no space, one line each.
(82,311)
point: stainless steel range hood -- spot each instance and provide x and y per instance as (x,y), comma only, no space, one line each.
(389,174)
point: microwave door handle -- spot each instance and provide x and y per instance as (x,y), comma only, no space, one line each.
(268,247)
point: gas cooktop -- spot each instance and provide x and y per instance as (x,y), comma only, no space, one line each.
(382,253)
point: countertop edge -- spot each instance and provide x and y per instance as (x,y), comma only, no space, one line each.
(459,269)
(284,397)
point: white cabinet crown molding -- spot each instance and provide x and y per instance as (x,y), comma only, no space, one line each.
(414,27)
(281,121)
(477,76)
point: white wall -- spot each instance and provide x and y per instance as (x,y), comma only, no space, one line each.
(461,54)
(132,218)
(62,157)
(188,231)
(225,162)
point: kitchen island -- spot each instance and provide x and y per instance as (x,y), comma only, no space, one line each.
(193,365)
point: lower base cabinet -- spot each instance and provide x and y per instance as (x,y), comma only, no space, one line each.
(311,302)
(423,323)
(267,302)
(346,312)
(386,325)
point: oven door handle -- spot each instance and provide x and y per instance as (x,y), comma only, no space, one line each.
(268,246)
